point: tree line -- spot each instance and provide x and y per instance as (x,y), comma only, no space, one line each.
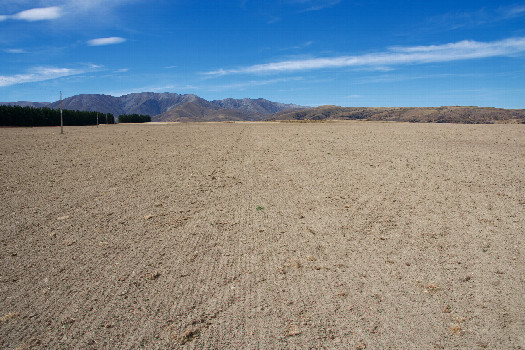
(134,118)
(32,116)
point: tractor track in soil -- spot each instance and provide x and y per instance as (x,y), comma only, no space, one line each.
(263,235)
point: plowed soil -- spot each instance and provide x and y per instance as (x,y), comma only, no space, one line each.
(346,235)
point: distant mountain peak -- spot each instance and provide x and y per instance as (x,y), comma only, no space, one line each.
(170,106)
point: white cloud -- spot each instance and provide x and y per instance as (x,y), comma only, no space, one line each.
(67,10)
(122,70)
(80,5)
(106,41)
(38,74)
(15,51)
(36,14)
(463,50)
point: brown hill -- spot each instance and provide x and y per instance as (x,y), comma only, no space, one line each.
(191,112)
(446,114)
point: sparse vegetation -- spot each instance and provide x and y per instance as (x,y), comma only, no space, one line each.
(446,114)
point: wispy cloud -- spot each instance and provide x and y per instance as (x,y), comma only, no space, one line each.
(84,5)
(36,14)
(483,16)
(303,45)
(80,5)
(514,11)
(15,51)
(322,5)
(251,83)
(391,78)
(38,74)
(288,48)
(106,41)
(314,5)
(122,70)
(66,10)
(462,50)
(298,47)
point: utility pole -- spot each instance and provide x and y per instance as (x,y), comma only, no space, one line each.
(61,121)
(106,119)
(97,119)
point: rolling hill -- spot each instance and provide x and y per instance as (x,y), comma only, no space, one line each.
(445,114)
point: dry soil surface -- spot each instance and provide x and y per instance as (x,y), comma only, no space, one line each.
(347,235)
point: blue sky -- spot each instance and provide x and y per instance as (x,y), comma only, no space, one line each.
(308,52)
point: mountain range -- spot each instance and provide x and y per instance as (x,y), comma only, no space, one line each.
(169,106)
(192,108)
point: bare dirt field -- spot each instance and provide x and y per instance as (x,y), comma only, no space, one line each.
(346,235)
